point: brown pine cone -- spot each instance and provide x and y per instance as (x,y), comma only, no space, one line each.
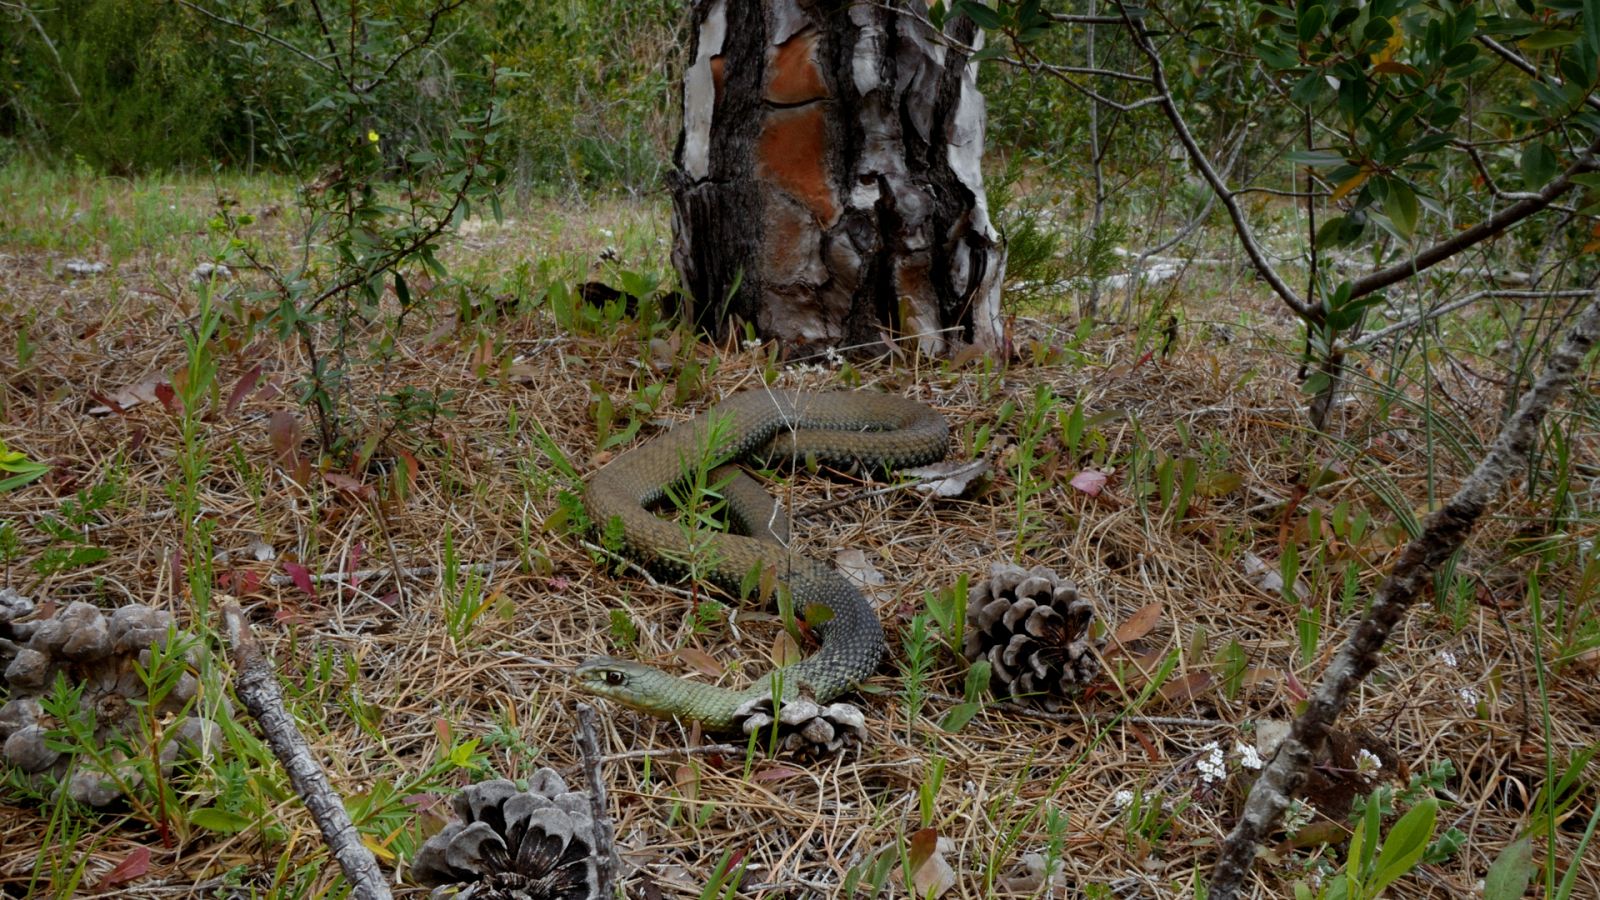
(1034,629)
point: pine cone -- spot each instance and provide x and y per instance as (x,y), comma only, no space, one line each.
(97,653)
(1033,628)
(537,844)
(805,727)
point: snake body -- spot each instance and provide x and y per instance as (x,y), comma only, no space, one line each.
(874,431)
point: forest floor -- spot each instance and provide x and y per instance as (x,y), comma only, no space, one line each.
(1168,471)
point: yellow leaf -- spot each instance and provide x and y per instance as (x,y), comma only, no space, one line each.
(378,850)
(372,136)
(1353,182)
(1396,41)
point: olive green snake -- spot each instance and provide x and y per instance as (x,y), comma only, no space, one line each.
(843,429)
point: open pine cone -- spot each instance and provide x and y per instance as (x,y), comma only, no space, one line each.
(537,844)
(805,728)
(97,652)
(1033,628)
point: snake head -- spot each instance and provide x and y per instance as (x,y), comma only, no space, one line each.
(616,679)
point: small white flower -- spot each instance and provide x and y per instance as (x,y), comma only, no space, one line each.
(1211,765)
(608,233)
(1248,757)
(1121,799)
(1468,696)
(752,344)
(1448,658)
(1367,762)
(832,356)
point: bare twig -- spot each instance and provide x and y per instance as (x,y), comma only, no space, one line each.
(264,35)
(1408,324)
(282,580)
(1443,534)
(1483,231)
(1241,225)
(257,687)
(605,851)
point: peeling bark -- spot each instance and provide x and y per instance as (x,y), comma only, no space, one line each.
(828,185)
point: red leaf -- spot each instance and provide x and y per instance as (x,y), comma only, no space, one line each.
(302,578)
(167,396)
(137,865)
(352,486)
(283,430)
(1090,481)
(923,843)
(776,773)
(243,389)
(1140,623)
(1294,687)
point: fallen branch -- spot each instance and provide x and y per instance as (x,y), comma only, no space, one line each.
(282,580)
(605,850)
(1443,534)
(257,687)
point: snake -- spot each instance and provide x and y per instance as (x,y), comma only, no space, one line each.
(842,429)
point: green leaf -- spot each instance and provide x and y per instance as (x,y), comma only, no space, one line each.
(1538,166)
(218,820)
(1401,205)
(981,15)
(1310,20)
(959,716)
(1547,39)
(1404,845)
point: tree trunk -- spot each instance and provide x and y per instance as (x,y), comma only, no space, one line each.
(828,184)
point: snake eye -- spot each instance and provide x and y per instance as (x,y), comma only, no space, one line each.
(615,678)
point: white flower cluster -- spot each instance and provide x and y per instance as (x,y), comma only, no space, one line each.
(1211,763)
(1367,762)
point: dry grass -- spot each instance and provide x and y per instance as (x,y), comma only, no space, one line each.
(402,690)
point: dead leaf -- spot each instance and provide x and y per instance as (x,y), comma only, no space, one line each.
(931,876)
(1267,578)
(770,774)
(854,565)
(785,652)
(686,779)
(130,396)
(700,661)
(949,479)
(167,396)
(1090,481)
(1140,623)
(1187,687)
(136,865)
(283,430)
(347,484)
(301,576)
(247,383)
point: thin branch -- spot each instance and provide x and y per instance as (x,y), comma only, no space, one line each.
(1241,225)
(257,687)
(1528,68)
(1042,66)
(1408,324)
(282,580)
(606,862)
(264,35)
(1483,231)
(415,44)
(1443,534)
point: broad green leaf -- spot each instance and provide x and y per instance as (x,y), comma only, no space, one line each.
(1547,39)
(1401,206)
(218,820)
(1404,845)
(1510,873)
(1538,166)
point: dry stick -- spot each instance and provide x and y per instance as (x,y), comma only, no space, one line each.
(257,686)
(605,851)
(281,580)
(1443,534)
